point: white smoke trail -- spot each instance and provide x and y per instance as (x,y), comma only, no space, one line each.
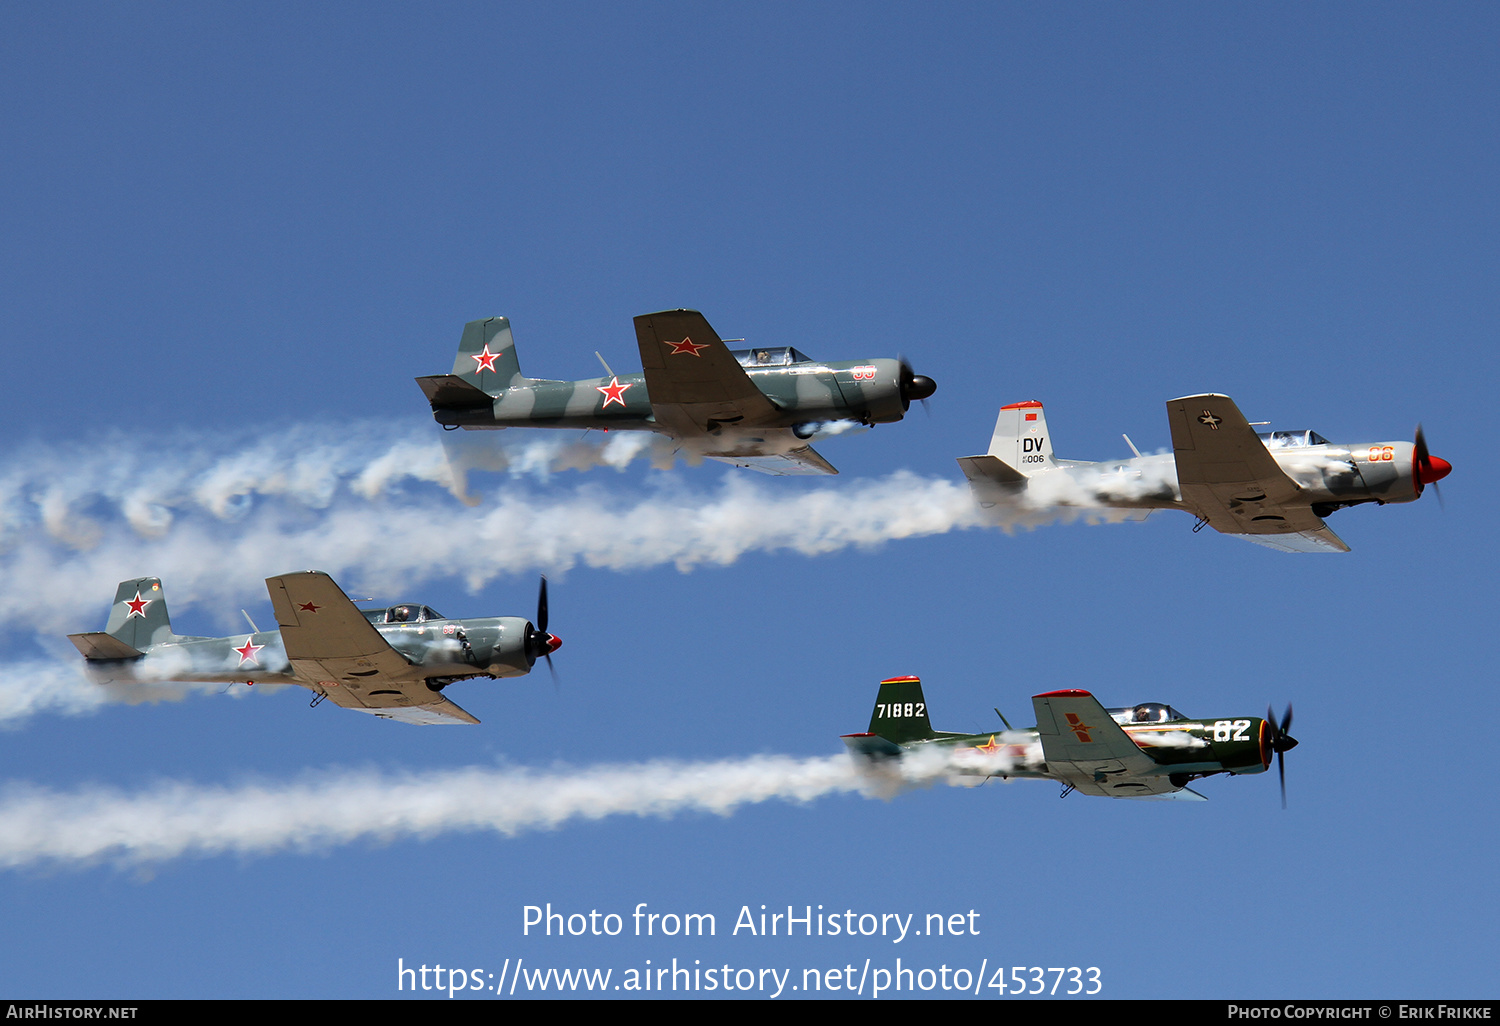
(150,481)
(393,545)
(173,820)
(35,686)
(32,687)
(214,515)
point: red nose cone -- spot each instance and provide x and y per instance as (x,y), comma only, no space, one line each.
(553,643)
(1435,469)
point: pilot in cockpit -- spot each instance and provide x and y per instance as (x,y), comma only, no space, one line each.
(1149,712)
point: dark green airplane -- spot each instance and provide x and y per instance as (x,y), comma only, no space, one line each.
(755,408)
(392,662)
(1143,751)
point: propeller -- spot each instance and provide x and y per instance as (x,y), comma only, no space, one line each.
(540,644)
(1428,469)
(1281,743)
(914,386)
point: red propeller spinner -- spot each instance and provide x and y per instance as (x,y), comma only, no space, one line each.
(1427,468)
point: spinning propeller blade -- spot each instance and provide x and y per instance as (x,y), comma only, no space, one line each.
(540,644)
(1281,743)
(1428,469)
(915,386)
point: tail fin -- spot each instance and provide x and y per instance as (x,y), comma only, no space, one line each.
(1019,448)
(485,367)
(900,713)
(139,616)
(1021,438)
(487,356)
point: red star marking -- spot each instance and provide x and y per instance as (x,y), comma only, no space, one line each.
(308,607)
(247,652)
(486,359)
(137,605)
(1078,727)
(688,346)
(614,392)
(990,748)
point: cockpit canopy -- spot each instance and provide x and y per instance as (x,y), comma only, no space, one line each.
(1291,439)
(768,356)
(1146,712)
(407,613)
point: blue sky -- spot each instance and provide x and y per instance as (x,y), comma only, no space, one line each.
(232,234)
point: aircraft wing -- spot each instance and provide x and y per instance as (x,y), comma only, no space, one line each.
(1187,794)
(695,383)
(439,711)
(1228,476)
(1318,539)
(803,462)
(339,653)
(1085,747)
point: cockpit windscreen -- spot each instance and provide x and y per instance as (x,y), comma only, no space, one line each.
(408,613)
(1146,712)
(1291,439)
(768,356)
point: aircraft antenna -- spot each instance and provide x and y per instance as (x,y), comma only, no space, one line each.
(1132,446)
(250,622)
(1003,719)
(606,366)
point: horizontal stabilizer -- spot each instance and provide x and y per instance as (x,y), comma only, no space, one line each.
(987,469)
(871,746)
(99,645)
(992,481)
(451,392)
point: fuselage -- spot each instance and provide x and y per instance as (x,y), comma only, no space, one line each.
(1181,748)
(436,648)
(805,394)
(1329,476)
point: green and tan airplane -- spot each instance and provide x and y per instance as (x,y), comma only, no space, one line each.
(1142,751)
(391,662)
(756,408)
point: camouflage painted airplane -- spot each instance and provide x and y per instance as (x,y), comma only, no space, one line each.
(1143,751)
(392,662)
(1272,488)
(754,408)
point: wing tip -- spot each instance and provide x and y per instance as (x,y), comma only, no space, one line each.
(1200,395)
